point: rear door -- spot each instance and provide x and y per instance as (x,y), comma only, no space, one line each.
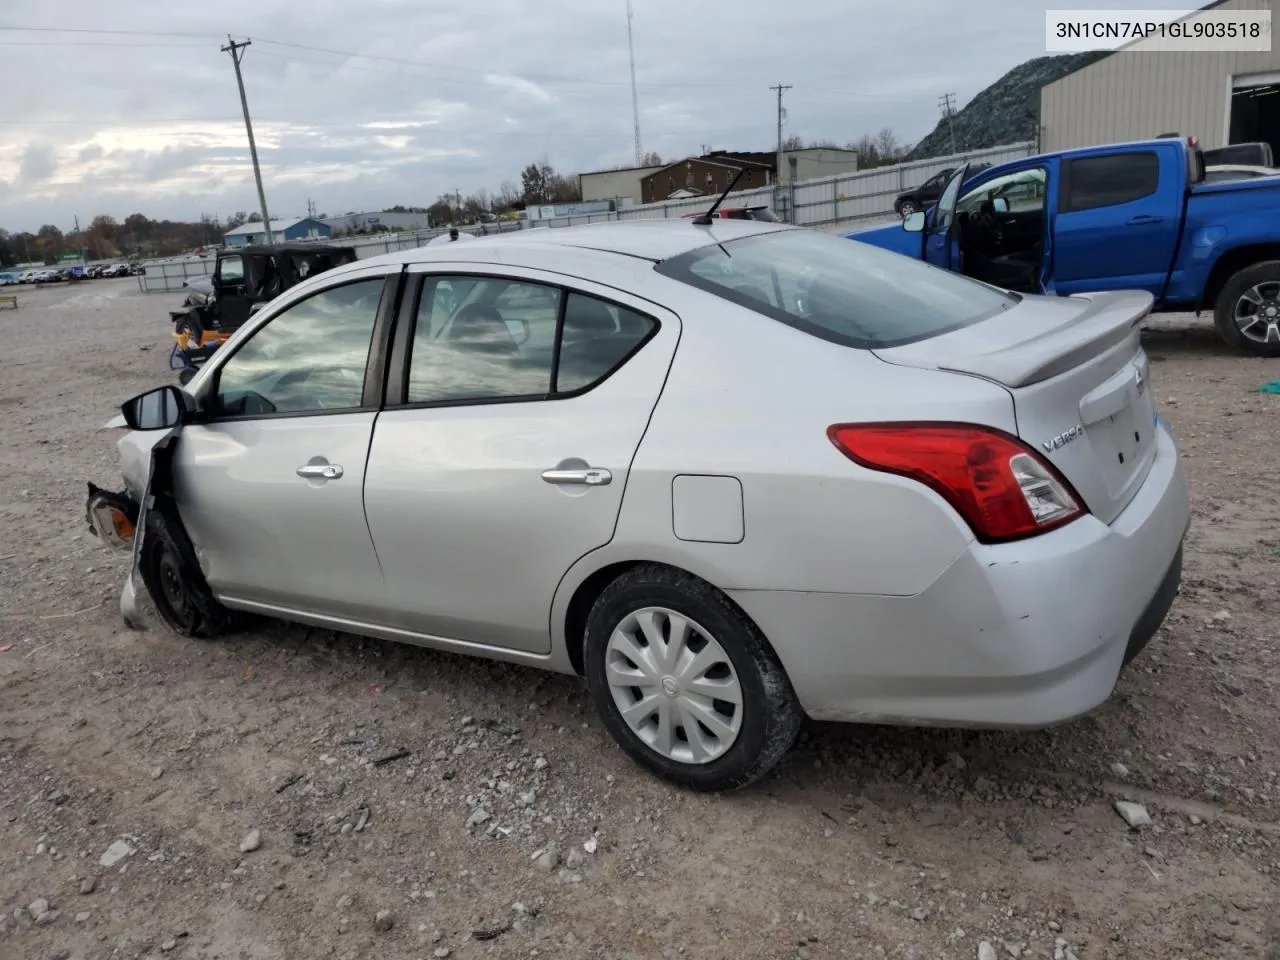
(941,246)
(1117,220)
(501,457)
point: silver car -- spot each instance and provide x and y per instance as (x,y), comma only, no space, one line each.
(733,474)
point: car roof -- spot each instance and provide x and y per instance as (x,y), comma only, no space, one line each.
(652,240)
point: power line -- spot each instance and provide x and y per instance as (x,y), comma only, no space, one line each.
(114,33)
(237,54)
(445,72)
(110,44)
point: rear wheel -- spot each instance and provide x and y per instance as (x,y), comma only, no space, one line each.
(1247,313)
(172,575)
(686,683)
(906,208)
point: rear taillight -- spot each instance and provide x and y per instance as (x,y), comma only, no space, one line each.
(1001,487)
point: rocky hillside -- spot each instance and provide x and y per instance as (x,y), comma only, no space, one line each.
(1006,111)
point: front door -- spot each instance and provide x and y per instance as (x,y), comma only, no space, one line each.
(505,456)
(231,294)
(270,486)
(941,246)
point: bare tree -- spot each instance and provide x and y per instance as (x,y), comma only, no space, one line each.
(888,146)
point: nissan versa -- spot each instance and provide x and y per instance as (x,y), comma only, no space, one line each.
(733,473)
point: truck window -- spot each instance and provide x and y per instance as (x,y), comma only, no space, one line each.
(1092,182)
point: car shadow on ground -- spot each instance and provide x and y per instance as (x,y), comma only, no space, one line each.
(898,764)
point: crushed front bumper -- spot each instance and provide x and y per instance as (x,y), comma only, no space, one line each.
(115,519)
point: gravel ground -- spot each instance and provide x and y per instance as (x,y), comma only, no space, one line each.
(291,793)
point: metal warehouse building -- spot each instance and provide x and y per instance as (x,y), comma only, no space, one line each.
(1220,97)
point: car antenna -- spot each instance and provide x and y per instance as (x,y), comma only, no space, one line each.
(704,220)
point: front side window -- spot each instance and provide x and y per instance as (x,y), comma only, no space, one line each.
(1093,182)
(1023,190)
(231,269)
(308,359)
(838,289)
(492,338)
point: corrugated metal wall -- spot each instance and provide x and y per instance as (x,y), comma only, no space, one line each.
(1134,95)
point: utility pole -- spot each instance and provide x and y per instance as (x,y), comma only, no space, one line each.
(79,244)
(780,88)
(635,100)
(945,103)
(237,54)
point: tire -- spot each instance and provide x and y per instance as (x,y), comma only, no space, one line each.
(172,576)
(906,208)
(768,717)
(1265,275)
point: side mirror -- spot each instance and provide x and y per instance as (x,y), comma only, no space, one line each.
(1000,205)
(913,222)
(157,409)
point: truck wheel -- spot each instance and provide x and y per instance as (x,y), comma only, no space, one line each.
(685,683)
(1247,313)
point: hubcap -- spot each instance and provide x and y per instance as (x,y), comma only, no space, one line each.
(1257,313)
(674,685)
(908,209)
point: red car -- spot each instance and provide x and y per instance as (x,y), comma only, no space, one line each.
(743,213)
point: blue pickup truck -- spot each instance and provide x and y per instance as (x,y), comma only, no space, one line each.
(1122,216)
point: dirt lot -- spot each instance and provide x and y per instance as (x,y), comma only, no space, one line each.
(868,843)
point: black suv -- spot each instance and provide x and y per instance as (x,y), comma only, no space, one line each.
(926,195)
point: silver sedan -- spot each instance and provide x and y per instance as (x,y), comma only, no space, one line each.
(733,474)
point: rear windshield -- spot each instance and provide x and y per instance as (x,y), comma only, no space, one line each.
(837,289)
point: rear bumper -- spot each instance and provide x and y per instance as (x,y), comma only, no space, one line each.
(1023,634)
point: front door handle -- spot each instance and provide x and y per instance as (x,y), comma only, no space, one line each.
(587,476)
(319,471)
(1141,219)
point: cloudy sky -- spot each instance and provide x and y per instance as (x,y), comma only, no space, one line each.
(361,105)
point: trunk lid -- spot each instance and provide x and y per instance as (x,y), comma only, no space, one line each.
(1079,379)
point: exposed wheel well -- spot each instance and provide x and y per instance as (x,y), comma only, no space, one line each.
(575,618)
(1231,263)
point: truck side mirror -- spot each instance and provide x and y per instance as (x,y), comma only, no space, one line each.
(913,222)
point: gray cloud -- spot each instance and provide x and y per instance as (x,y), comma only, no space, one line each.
(36,165)
(465,95)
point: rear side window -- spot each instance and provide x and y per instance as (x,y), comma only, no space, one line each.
(837,289)
(1093,182)
(484,339)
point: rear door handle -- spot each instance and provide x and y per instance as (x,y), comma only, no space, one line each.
(587,476)
(1142,218)
(319,471)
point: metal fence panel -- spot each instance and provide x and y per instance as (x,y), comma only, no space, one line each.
(826,200)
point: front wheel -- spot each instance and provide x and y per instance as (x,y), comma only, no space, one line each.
(906,208)
(1247,313)
(173,578)
(685,683)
